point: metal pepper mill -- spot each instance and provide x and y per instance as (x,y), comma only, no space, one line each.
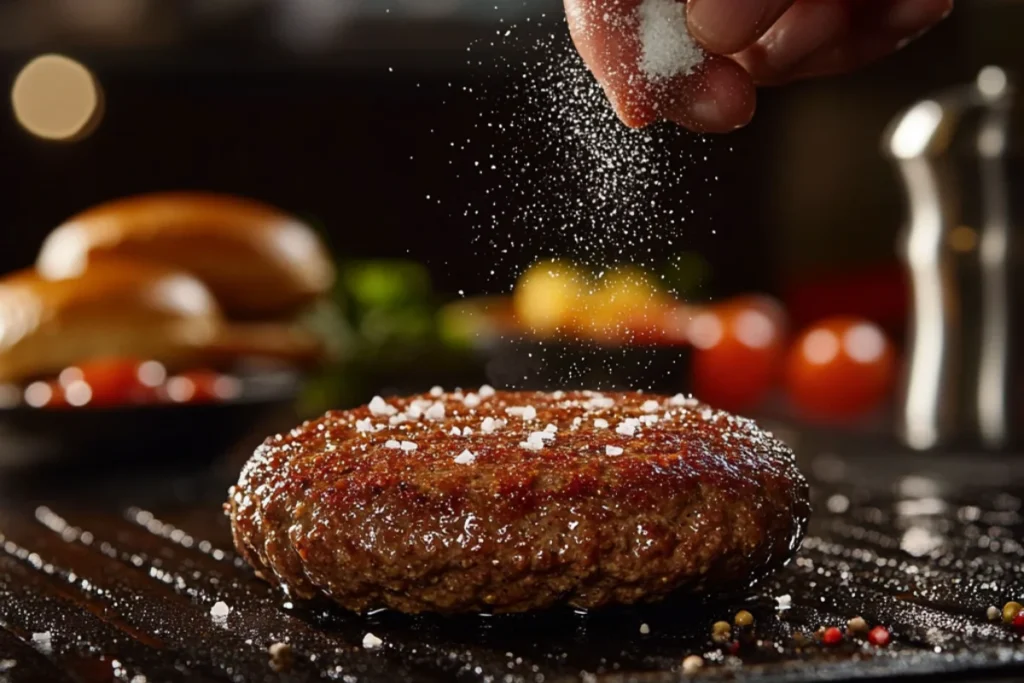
(962,383)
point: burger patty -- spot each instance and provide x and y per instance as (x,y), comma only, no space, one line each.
(507,501)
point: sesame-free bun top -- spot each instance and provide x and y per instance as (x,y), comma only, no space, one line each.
(258,261)
(116,308)
(130,309)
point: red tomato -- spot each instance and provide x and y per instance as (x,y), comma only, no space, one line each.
(111,381)
(737,352)
(840,368)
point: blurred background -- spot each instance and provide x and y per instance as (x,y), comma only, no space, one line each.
(332,111)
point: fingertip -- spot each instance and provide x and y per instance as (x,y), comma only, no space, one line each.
(720,98)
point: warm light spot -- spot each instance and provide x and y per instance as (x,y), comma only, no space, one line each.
(152,373)
(706,331)
(78,393)
(180,389)
(755,329)
(864,343)
(820,347)
(70,375)
(10,395)
(56,98)
(227,388)
(38,394)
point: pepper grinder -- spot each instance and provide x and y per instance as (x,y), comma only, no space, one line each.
(961,385)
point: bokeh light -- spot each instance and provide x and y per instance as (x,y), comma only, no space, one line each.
(57,98)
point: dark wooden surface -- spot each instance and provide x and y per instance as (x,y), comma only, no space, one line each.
(114,579)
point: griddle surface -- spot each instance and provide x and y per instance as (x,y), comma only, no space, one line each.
(115,580)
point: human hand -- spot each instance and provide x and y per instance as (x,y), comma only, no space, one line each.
(748,43)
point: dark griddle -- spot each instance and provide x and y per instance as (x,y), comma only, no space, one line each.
(122,576)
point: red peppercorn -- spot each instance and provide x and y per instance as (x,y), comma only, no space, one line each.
(1018,621)
(734,647)
(879,636)
(832,636)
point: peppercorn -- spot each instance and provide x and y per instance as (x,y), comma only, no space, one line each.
(832,636)
(744,618)
(993,613)
(879,636)
(721,631)
(1018,622)
(734,647)
(1011,610)
(692,664)
(857,625)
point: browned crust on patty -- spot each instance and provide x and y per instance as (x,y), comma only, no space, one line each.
(698,501)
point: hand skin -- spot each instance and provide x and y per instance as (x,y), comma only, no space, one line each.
(749,43)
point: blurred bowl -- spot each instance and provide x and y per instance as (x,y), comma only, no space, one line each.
(158,435)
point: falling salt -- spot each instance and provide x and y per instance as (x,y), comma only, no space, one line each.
(372,642)
(220,610)
(667,49)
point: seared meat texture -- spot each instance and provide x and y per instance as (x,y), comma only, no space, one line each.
(506,502)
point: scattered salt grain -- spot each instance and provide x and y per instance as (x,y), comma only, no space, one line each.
(489,425)
(364,425)
(378,406)
(648,420)
(435,412)
(613,450)
(650,406)
(551,429)
(681,401)
(408,446)
(466,431)
(542,436)
(525,412)
(391,443)
(667,49)
(601,423)
(558,395)
(466,457)
(398,419)
(486,391)
(372,642)
(599,402)
(436,391)
(784,601)
(645,629)
(455,431)
(471,400)
(628,426)
(534,443)
(220,610)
